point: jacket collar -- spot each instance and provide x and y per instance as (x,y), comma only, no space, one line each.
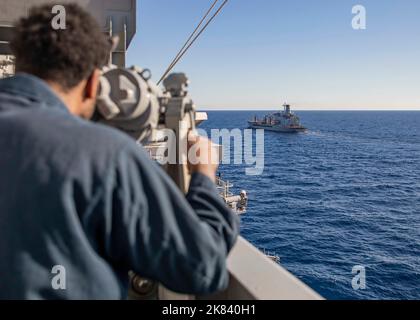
(33,88)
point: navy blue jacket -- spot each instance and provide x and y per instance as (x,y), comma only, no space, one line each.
(87,198)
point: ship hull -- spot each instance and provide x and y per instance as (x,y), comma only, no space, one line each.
(278,129)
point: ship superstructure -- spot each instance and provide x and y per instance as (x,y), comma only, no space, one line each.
(284,121)
(238,203)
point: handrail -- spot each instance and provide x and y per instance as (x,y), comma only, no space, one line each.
(253,276)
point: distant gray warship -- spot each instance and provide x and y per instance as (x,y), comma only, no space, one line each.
(284,121)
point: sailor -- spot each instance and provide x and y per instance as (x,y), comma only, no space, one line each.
(84,199)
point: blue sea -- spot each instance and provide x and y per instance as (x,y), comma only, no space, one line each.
(344,194)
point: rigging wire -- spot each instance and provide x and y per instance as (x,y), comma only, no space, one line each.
(194,36)
(190,37)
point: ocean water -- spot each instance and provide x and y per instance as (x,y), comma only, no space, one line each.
(345,193)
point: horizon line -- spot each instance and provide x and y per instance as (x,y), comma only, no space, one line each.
(297,109)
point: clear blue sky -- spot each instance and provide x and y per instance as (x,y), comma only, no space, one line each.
(260,53)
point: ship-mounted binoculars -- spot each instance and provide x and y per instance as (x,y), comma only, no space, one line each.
(130,101)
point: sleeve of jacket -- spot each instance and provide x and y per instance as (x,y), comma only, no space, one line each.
(154,230)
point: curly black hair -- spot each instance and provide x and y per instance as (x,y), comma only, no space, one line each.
(64,56)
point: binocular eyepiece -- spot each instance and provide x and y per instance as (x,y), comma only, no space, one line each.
(130,101)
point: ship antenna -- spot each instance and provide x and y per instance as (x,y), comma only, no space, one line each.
(194,36)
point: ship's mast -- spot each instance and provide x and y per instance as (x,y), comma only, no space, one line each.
(286,108)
